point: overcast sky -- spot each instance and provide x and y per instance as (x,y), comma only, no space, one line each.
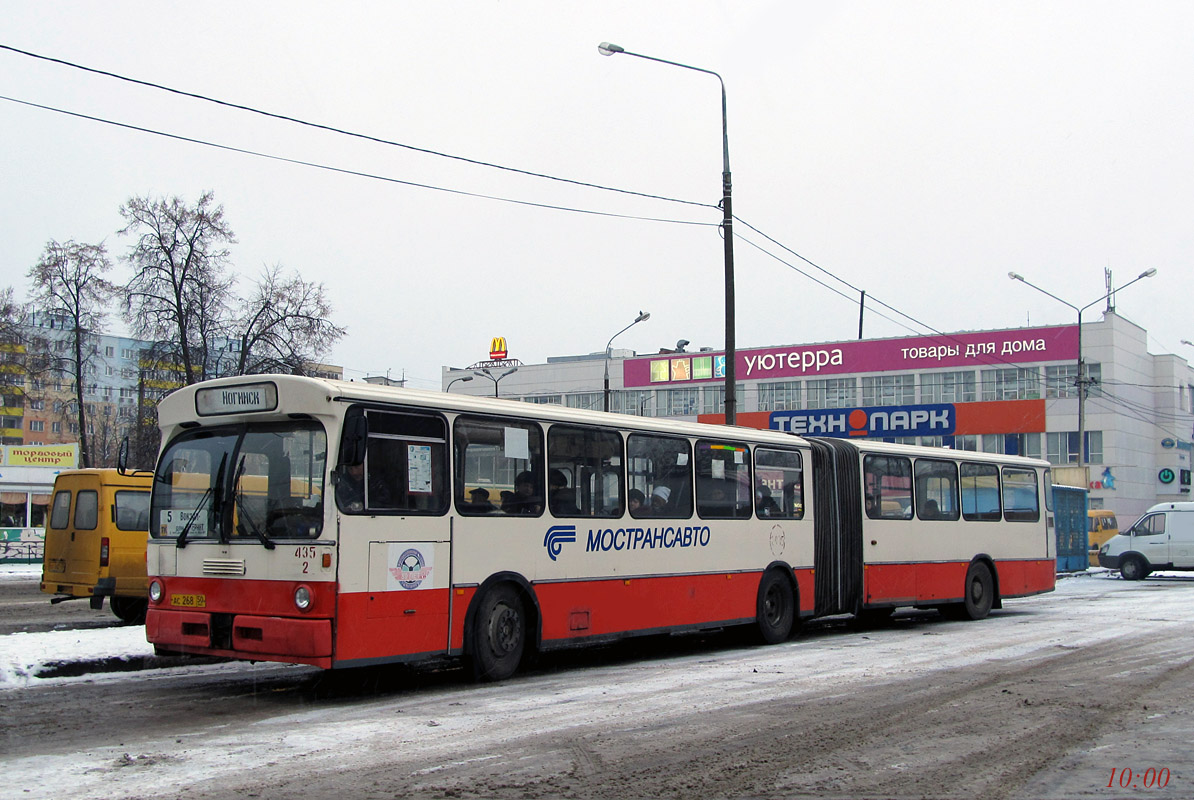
(919,151)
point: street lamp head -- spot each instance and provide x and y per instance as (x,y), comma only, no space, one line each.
(680,345)
(1148,273)
(466,378)
(643,316)
(1015,276)
(510,371)
(607,49)
(1187,341)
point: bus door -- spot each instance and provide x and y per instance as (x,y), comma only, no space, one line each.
(393,492)
(837,529)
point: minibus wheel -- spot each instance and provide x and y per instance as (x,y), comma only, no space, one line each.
(130,610)
(498,637)
(1133,568)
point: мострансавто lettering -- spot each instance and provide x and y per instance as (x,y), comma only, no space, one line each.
(606,539)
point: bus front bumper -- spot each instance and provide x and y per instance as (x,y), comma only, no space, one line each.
(243,636)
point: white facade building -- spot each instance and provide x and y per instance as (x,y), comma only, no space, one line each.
(1009,391)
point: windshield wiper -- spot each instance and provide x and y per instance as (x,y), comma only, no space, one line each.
(214,492)
(242,512)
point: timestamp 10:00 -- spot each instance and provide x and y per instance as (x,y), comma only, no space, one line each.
(1152,778)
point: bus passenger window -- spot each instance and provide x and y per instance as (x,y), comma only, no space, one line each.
(86,510)
(1019,495)
(779,484)
(585,476)
(980,492)
(723,480)
(936,489)
(60,514)
(888,487)
(659,467)
(503,457)
(405,469)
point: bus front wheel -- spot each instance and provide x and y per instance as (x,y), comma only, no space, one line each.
(498,634)
(776,608)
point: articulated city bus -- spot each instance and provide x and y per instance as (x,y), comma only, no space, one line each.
(341,524)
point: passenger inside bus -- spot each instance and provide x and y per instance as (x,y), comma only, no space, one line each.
(480,502)
(634,501)
(561,498)
(765,504)
(929,510)
(659,500)
(524,500)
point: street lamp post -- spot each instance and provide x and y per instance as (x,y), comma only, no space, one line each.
(485,373)
(642,317)
(454,380)
(1081,381)
(727,225)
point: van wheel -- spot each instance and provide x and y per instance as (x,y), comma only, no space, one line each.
(498,637)
(776,608)
(978,595)
(1133,568)
(130,610)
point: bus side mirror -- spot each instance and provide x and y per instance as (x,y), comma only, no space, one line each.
(352,445)
(122,457)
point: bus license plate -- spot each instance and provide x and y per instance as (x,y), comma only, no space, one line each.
(188,600)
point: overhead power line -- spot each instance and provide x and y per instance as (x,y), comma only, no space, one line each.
(344,132)
(345,171)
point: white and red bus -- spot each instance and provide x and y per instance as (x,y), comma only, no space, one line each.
(343,524)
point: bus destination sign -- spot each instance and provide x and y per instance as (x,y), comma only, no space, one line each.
(236,399)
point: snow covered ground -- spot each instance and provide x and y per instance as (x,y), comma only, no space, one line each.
(519,725)
(35,658)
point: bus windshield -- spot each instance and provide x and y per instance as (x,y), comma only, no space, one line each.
(255,483)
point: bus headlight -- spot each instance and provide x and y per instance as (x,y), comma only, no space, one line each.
(155,592)
(302,598)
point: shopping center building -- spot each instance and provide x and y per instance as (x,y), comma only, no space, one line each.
(1003,391)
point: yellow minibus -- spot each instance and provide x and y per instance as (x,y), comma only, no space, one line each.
(95,540)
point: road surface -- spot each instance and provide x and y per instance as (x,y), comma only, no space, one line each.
(1055,696)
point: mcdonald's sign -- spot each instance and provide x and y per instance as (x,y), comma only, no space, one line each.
(497,348)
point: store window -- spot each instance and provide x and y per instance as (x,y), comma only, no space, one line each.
(948,387)
(779,396)
(1062,447)
(888,390)
(1010,384)
(832,393)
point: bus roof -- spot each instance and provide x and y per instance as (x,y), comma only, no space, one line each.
(304,395)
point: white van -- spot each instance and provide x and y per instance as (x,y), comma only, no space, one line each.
(1161,539)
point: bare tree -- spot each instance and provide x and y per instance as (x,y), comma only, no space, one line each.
(180,291)
(285,325)
(11,318)
(68,283)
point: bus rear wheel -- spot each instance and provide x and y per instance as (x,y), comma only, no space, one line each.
(130,610)
(978,595)
(776,608)
(498,634)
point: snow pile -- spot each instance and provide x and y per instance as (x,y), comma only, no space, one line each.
(24,657)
